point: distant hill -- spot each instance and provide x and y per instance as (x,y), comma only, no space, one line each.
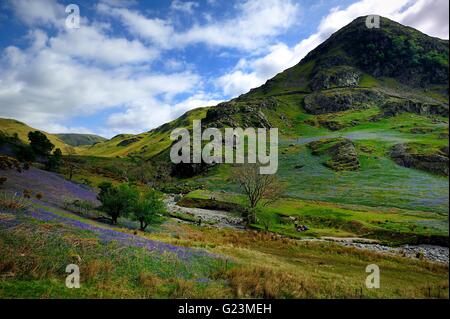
(10,127)
(75,139)
(146,144)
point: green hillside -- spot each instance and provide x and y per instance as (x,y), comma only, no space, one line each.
(392,122)
(146,144)
(10,126)
(80,139)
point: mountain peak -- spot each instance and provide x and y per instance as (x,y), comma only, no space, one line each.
(369,52)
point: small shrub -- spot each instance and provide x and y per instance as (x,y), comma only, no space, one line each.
(12,202)
(86,182)
(27,193)
(3,180)
(182,288)
(420,255)
(39,196)
(150,282)
(81,207)
(7,162)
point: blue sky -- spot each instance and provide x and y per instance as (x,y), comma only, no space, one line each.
(134,65)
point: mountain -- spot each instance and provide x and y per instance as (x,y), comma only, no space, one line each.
(10,127)
(80,139)
(374,74)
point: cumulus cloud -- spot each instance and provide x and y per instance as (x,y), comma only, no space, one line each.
(428,16)
(45,12)
(79,72)
(91,43)
(156,30)
(184,6)
(256,22)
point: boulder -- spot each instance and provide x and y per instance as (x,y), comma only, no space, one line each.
(342,151)
(341,76)
(338,100)
(437,163)
(394,106)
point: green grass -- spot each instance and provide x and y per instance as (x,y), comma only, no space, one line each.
(148,144)
(11,127)
(257,265)
(328,219)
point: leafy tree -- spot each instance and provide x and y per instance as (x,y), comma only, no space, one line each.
(117,200)
(55,160)
(147,209)
(40,143)
(25,154)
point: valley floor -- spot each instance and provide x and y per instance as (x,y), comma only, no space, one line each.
(183,260)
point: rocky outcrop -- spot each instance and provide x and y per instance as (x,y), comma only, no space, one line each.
(241,114)
(338,100)
(342,151)
(128,141)
(394,106)
(342,76)
(437,163)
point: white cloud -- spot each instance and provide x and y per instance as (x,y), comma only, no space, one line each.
(184,6)
(32,12)
(429,16)
(91,43)
(256,23)
(155,30)
(58,78)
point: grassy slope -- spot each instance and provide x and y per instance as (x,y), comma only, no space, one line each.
(80,139)
(10,127)
(149,143)
(257,265)
(341,220)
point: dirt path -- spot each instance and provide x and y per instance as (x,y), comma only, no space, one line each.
(217,218)
(357,135)
(223,219)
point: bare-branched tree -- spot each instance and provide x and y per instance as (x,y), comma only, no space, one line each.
(258,188)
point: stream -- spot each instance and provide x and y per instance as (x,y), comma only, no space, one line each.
(223,219)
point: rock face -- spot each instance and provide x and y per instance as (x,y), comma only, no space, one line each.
(338,100)
(342,151)
(342,76)
(394,106)
(241,114)
(436,163)
(129,141)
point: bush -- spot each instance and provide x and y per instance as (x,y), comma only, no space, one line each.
(147,209)
(3,180)
(7,162)
(12,202)
(27,193)
(54,161)
(117,200)
(81,207)
(39,196)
